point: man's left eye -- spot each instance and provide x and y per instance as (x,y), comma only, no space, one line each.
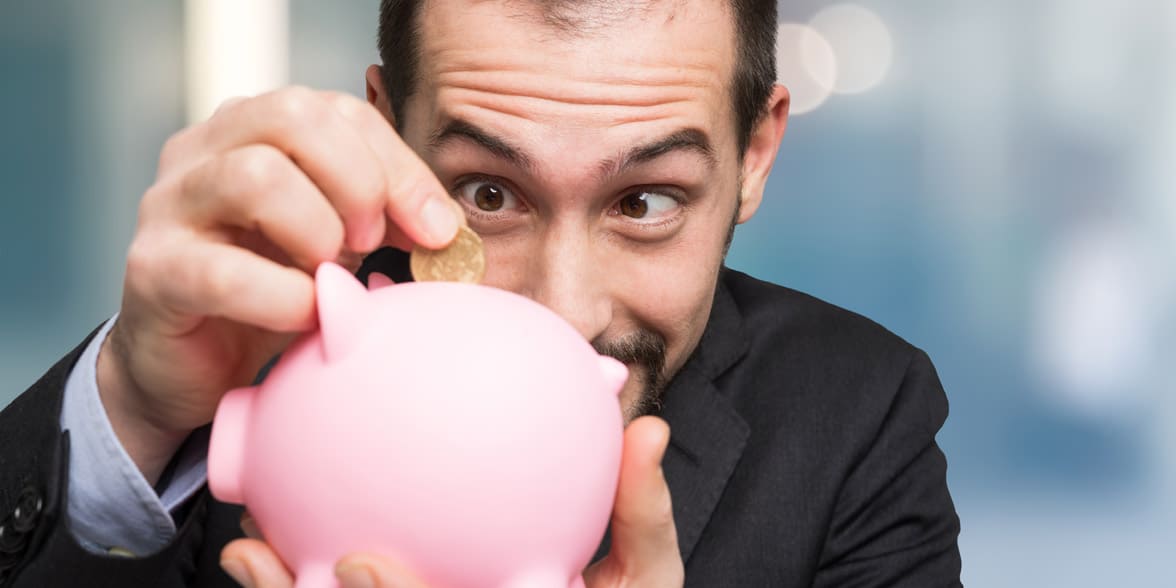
(646,205)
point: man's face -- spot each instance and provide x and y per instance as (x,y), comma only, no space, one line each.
(599,164)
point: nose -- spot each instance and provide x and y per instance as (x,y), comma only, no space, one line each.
(565,276)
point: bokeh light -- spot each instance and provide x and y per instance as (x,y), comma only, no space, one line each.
(805,63)
(861,44)
(1092,336)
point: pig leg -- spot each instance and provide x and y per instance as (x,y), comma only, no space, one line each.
(544,578)
(316,575)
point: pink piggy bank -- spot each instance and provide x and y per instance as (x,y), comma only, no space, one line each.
(467,431)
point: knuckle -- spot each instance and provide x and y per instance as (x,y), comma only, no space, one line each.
(173,150)
(408,191)
(139,258)
(370,190)
(228,104)
(253,170)
(664,513)
(347,105)
(298,104)
(150,203)
(221,280)
(143,264)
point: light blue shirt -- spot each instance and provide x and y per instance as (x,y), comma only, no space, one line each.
(111,504)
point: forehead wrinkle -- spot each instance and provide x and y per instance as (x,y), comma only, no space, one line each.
(637,68)
(566,113)
(647,91)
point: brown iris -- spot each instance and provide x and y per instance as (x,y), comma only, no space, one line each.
(489,197)
(634,206)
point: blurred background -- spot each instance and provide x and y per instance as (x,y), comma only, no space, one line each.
(993,181)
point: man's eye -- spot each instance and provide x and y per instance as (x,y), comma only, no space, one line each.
(647,205)
(487,196)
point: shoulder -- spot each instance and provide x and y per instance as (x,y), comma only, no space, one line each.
(841,415)
(779,320)
(809,360)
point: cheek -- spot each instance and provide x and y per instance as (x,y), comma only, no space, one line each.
(670,287)
(670,290)
(507,260)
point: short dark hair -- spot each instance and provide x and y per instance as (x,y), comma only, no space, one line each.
(751,86)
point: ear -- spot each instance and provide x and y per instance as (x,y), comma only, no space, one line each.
(761,151)
(376,280)
(340,299)
(615,373)
(376,95)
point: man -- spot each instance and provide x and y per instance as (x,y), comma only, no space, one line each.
(604,150)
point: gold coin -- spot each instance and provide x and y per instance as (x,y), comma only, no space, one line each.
(460,261)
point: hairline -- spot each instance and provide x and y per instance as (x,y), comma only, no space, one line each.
(743,68)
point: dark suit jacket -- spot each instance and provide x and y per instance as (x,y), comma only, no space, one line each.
(802,454)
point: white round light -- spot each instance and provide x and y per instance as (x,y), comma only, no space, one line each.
(861,44)
(805,64)
(1092,323)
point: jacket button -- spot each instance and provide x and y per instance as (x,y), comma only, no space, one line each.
(28,508)
(10,541)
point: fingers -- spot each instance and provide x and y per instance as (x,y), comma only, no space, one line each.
(257,188)
(373,571)
(644,538)
(643,518)
(351,153)
(408,177)
(249,526)
(209,278)
(305,127)
(254,565)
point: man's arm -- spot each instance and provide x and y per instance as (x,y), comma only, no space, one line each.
(895,524)
(110,504)
(37,547)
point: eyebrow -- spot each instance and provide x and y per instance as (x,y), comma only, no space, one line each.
(501,148)
(688,139)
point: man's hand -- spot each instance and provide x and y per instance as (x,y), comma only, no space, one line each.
(644,539)
(220,271)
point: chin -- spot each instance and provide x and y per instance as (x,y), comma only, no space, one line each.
(639,397)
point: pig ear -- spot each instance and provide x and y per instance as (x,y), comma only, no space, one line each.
(340,299)
(376,280)
(615,373)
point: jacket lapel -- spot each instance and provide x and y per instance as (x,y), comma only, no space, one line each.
(707,434)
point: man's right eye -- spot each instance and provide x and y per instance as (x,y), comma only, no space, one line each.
(488,197)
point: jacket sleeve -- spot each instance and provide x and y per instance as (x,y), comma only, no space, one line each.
(36,546)
(895,523)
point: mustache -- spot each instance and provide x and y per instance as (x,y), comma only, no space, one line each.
(646,349)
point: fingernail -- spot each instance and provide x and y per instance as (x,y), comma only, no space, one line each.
(355,576)
(250,528)
(440,221)
(369,235)
(236,569)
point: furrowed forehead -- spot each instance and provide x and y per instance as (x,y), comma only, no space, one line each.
(639,60)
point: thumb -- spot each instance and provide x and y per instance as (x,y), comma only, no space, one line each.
(644,538)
